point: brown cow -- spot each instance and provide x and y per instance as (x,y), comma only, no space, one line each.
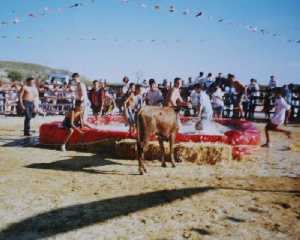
(159,121)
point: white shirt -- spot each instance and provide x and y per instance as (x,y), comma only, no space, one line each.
(281,106)
(254,88)
(199,80)
(195,98)
(202,99)
(125,88)
(217,98)
(207,111)
(175,97)
(207,81)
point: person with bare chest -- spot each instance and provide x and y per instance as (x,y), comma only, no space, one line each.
(28,100)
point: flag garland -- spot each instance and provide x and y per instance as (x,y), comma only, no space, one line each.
(198,14)
(110,38)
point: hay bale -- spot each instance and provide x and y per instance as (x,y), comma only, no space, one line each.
(103,146)
(126,148)
(203,153)
(295,147)
(198,153)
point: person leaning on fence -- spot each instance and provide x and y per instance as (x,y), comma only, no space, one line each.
(281,116)
(28,98)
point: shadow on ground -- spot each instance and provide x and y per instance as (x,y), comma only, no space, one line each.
(74,217)
(19,142)
(77,164)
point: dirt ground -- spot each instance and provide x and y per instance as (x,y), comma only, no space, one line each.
(48,194)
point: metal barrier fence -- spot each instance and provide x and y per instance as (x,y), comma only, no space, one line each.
(259,107)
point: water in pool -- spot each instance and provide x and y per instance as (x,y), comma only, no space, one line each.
(209,128)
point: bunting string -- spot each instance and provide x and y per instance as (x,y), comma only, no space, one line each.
(171,9)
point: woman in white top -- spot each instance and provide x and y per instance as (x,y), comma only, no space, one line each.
(217,102)
(281,115)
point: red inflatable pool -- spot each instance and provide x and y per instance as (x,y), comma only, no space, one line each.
(242,135)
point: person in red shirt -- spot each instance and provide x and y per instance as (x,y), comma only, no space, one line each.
(97,95)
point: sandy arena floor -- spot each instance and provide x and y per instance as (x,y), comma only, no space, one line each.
(48,194)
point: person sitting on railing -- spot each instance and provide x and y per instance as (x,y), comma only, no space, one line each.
(74,121)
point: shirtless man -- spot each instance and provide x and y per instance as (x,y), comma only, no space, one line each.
(81,94)
(129,106)
(175,100)
(28,99)
(240,91)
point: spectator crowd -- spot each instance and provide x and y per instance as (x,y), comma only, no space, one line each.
(219,96)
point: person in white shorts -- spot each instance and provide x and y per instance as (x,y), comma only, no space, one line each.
(281,115)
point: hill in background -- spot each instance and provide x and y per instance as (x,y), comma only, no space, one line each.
(29,69)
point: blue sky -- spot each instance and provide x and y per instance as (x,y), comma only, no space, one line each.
(204,45)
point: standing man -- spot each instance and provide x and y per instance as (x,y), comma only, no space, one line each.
(97,98)
(81,94)
(239,91)
(28,99)
(174,98)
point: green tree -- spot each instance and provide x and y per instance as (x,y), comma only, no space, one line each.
(15,76)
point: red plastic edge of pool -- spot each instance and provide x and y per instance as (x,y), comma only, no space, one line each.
(243,139)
